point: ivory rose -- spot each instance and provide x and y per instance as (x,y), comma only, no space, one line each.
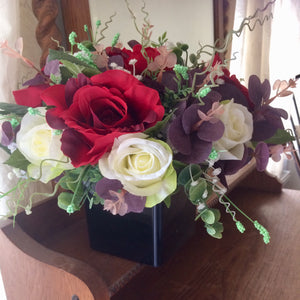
(143,166)
(41,147)
(238,123)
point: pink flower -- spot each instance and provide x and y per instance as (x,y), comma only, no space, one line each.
(116,207)
(277,150)
(166,59)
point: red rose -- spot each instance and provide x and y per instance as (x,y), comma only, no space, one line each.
(136,53)
(97,110)
(30,96)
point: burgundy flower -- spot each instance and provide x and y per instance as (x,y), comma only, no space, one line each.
(261,155)
(192,136)
(266,119)
(8,133)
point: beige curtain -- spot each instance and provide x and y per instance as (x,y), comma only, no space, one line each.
(252,47)
(16,19)
(272,52)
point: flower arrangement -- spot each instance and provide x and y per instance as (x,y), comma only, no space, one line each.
(126,127)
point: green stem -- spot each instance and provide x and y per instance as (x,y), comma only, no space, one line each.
(80,178)
(238,209)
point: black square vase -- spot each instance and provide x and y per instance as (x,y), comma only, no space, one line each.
(150,237)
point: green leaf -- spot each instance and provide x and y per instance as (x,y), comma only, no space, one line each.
(93,175)
(64,199)
(193,59)
(89,45)
(193,170)
(210,215)
(280,137)
(65,74)
(215,230)
(89,72)
(11,108)
(178,165)
(197,190)
(60,55)
(167,201)
(153,131)
(184,47)
(17,160)
(97,199)
(73,68)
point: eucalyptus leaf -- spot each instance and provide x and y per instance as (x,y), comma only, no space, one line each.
(215,230)
(197,191)
(210,216)
(193,170)
(64,199)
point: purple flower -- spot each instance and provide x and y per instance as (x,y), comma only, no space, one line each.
(266,119)
(261,155)
(192,136)
(116,199)
(8,133)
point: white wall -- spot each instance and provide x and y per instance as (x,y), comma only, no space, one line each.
(189,21)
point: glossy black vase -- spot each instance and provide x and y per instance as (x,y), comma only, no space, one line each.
(150,237)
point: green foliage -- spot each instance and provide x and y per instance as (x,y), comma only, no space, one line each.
(179,50)
(65,199)
(89,45)
(73,68)
(167,201)
(11,108)
(161,40)
(72,64)
(197,191)
(215,230)
(17,160)
(60,55)
(189,171)
(79,186)
(280,137)
(210,215)
(65,74)
(157,128)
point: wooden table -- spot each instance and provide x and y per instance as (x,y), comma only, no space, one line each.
(46,256)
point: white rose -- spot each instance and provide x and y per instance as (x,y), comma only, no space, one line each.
(41,147)
(238,123)
(143,166)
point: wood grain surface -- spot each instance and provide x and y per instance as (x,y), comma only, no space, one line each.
(239,266)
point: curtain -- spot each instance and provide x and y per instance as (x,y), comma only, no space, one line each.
(252,47)
(16,19)
(271,52)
